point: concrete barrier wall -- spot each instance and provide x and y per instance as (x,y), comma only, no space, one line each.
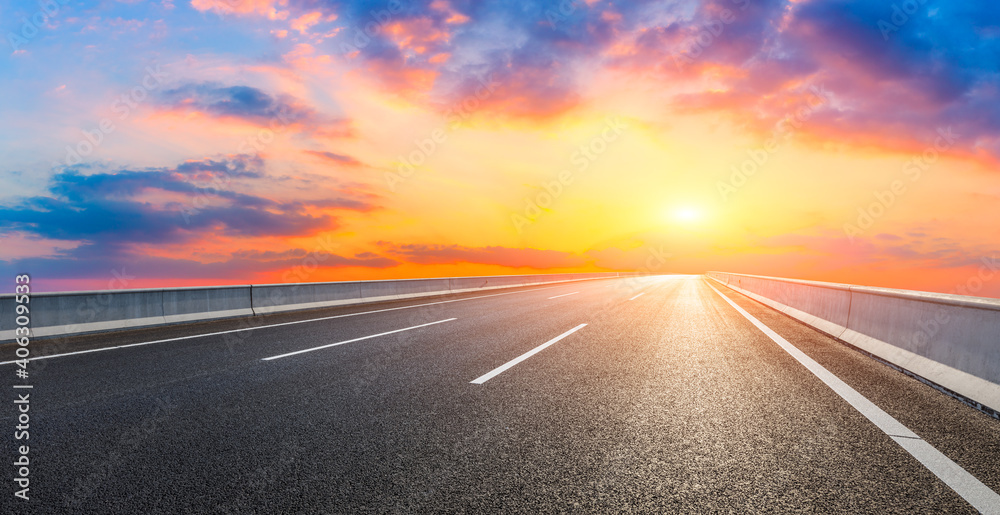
(950,340)
(57,314)
(480,283)
(7,317)
(80,312)
(189,304)
(274,298)
(375,291)
(825,306)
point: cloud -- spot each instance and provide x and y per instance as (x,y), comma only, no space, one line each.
(335,158)
(236,101)
(303,23)
(112,211)
(271,260)
(894,77)
(493,255)
(150,220)
(893,87)
(828,249)
(438,51)
(96,267)
(269,8)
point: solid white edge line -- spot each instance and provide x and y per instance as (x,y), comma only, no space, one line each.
(563,295)
(499,370)
(327,346)
(101,349)
(637,296)
(980,496)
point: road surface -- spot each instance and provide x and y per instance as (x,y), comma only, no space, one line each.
(620,395)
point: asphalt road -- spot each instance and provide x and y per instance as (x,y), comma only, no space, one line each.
(665,402)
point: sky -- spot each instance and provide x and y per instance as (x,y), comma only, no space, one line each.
(209,142)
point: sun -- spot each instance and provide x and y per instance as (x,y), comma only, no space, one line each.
(686,215)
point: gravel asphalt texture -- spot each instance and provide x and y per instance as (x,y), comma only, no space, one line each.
(669,403)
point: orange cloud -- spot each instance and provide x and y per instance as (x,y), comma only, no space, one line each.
(303,58)
(269,8)
(417,35)
(454,17)
(407,82)
(304,22)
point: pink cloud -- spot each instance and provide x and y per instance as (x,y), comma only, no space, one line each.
(269,8)
(306,21)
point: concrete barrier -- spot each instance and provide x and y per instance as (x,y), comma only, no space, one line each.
(60,314)
(191,304)
(88,311)
(377,291)
(825,306)
(950,340)
(8,317)
(461,284)
(55,314)
(275,298)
